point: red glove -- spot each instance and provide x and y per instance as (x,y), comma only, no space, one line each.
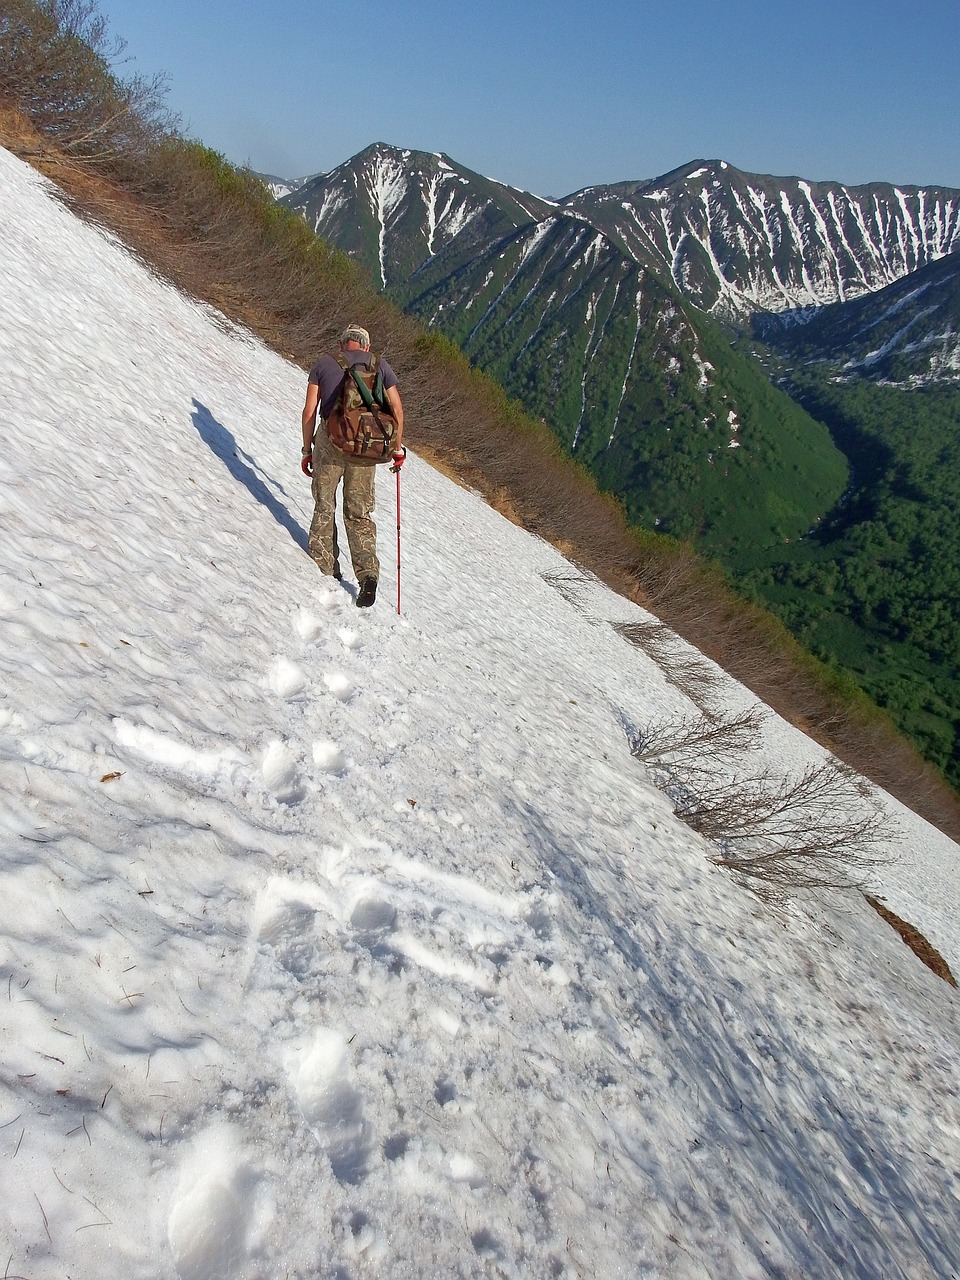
(399,458)
(306,464)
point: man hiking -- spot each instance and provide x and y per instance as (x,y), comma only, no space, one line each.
(327,465)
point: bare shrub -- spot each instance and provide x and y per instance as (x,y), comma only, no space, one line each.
(56,59)
(685,670)
(693,742)
(820,828)
(815,830)
(652,637)
(570,583)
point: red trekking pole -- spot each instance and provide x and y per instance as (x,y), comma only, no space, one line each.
(398,459)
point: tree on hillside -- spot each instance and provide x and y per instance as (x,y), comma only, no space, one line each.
(56,66)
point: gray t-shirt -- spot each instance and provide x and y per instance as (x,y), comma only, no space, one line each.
(328,376)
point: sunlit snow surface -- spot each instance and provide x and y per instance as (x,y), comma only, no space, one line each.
(343,944)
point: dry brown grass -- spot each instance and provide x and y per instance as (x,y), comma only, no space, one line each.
(915,940)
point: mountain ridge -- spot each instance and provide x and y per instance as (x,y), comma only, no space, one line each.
(735,244)
(907,334)
(595,311)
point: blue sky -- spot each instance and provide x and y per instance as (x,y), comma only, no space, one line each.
(553,95)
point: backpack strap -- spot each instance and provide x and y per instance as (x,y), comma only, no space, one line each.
(379,391)
(377,399)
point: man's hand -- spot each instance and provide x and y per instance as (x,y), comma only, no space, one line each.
(306,462)
(399,459)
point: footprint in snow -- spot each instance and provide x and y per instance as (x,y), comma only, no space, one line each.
(330,600)
(339,685)
(218,1212)
(349,639)
(488,1247)
(308,626)
(288,917)
(373,916)
(328,757)
(295,940)
(373,923)
(280,774)
(286,678)
(540,921)
(322,1078)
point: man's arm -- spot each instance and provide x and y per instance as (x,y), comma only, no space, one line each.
(309,416)
(396,408)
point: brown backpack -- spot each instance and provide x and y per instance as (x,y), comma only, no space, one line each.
(361,423)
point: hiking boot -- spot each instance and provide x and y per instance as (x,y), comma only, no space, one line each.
(368,593)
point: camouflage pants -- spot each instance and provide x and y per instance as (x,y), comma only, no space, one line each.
(359,495)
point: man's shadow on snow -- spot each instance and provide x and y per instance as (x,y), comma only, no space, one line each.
(243,468)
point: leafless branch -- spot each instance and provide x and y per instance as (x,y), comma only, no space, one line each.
(685,669)
(696,739)
(815,830)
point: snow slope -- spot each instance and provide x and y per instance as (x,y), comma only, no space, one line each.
(342,944)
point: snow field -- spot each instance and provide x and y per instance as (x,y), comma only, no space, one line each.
(336,943)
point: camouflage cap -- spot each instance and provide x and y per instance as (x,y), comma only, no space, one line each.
(354,333)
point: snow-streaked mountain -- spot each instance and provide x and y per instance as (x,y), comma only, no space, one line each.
(733,243)
(280,187)
(738,243)
(906,334)
(342,943)
(393,210)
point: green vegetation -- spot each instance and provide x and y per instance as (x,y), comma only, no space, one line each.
(876,591)
(702,445)
(735,466)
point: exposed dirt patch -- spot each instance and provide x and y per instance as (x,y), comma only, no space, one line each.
(915,940)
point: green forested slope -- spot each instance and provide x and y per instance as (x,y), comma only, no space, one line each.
(760,479)
(876,591)
(643,390)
